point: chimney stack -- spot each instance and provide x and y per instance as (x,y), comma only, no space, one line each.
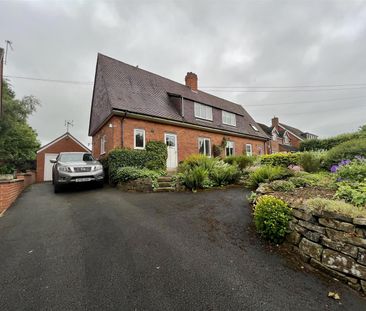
(192,81)
(275,122)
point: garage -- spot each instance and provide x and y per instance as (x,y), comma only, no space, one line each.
(64,143)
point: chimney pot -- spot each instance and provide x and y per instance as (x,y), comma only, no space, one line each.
(275,122)
(192,81)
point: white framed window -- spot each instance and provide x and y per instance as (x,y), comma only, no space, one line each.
(204,146)
(202,111)
(139,138)
(274,136)
(102,144)
(286,139)
(249,149)
(229,149)
(228,118)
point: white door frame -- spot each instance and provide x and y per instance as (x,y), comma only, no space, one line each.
(47,173)
(176,150)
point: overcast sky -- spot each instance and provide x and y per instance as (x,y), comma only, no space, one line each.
(305,45)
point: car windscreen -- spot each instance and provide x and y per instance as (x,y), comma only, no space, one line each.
(75,157)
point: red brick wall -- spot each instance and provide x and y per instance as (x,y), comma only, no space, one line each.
(9,191)
(187,138)
(64,145)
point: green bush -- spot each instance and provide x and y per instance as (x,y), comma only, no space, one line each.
(354,193)
(271,218)
(197,160)
(301,181)
(195,178)
(153,157)
(282,185)
(267,173)
(128,173)
(242,161)
(346,150)
(341,207)
(280,159)
(329,143)
(354,171)
(223,174)
(310,161)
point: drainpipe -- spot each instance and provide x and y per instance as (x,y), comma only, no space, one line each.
(122,130)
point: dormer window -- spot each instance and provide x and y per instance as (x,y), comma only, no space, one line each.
(202,111)
(274,136)
(286,139)
(228,118)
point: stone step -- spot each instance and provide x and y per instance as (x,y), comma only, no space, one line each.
(164,189)
(165,178)
(163,184)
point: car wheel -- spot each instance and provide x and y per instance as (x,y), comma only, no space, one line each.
(56,188)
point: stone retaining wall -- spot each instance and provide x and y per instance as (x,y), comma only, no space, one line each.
(333,243)
(138,185)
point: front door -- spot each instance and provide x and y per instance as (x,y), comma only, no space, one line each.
(171,142)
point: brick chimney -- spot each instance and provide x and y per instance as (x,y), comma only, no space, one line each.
(192,81)
(275,122)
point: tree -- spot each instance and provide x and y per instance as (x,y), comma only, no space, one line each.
(18,141)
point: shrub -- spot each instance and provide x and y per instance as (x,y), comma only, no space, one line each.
(197,160)
(354,193)
(353,171)
(346,150)
(267,173)
(271,218)
(280,159)
(223,174)
(301,181)
(320,204)
(310,161)
(195,178)
(282,185)
(153,157)
(241,161)
(128,173)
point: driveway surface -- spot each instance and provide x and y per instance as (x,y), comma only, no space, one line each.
(101,249)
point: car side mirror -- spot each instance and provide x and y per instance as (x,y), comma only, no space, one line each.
(53,161)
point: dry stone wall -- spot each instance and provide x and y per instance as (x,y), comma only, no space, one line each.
(333,243)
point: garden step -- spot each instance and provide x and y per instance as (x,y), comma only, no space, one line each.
(164,189)
(165,178)
(163,184)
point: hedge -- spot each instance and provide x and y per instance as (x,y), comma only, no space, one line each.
(153,157)
(280,159)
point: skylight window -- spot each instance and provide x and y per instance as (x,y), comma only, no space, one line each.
(254,127)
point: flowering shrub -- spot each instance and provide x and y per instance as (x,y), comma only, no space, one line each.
(352,170)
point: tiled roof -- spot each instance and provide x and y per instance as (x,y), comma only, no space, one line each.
(294,130)
(124,87)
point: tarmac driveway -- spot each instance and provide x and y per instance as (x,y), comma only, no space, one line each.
(101,249)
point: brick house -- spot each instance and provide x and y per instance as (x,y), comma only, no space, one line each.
(284,138)
(64,143)
(131,106)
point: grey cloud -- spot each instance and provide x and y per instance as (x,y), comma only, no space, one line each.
(227,43)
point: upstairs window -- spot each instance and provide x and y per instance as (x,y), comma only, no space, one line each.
(228,118)
(229,149)
(139,139)
(102,144)
(204,146)
(249,149)
(286,139)
(202,111)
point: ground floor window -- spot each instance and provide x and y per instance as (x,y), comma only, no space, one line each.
(204,146)
(249,149)
(229,149)
(102,144)
(139,139)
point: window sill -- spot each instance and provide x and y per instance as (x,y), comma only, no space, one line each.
(201,119)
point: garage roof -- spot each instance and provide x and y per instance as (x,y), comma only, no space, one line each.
(67,134)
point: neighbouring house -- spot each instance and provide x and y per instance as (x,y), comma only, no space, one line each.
(284,138)
(64,143)
(131,106)
(1,80)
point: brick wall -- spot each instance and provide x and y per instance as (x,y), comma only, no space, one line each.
(187,138)
(9,191)
(66,144)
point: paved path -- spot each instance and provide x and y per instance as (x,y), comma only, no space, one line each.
(100,249)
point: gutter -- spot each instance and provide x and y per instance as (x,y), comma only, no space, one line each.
(183,124)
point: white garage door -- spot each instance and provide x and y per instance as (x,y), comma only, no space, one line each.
(48,165)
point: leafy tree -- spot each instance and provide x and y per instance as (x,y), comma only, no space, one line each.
(18,141)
